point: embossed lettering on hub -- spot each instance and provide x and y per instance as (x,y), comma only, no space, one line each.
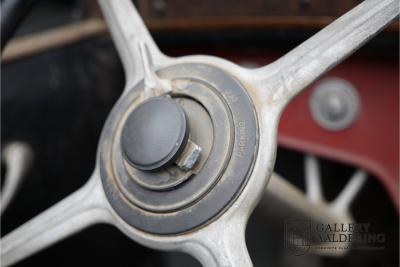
(242,131)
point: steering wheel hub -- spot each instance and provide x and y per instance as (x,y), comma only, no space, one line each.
(207,106)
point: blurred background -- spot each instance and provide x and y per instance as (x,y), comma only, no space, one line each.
(61,75)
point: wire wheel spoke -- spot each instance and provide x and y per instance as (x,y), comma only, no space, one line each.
(18,158)
(311,204)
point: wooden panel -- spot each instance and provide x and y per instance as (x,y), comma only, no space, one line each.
(227,8)
(162,15)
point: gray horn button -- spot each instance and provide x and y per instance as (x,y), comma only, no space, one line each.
(154,134)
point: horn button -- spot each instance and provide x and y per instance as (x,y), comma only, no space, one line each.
(154,134)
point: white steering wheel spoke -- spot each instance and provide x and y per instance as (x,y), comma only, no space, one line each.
(129,31)
(85,207)
(292,73)
(222,244)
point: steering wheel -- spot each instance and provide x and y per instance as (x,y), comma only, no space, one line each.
(188,149)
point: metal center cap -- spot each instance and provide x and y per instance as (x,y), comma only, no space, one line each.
(154,134)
